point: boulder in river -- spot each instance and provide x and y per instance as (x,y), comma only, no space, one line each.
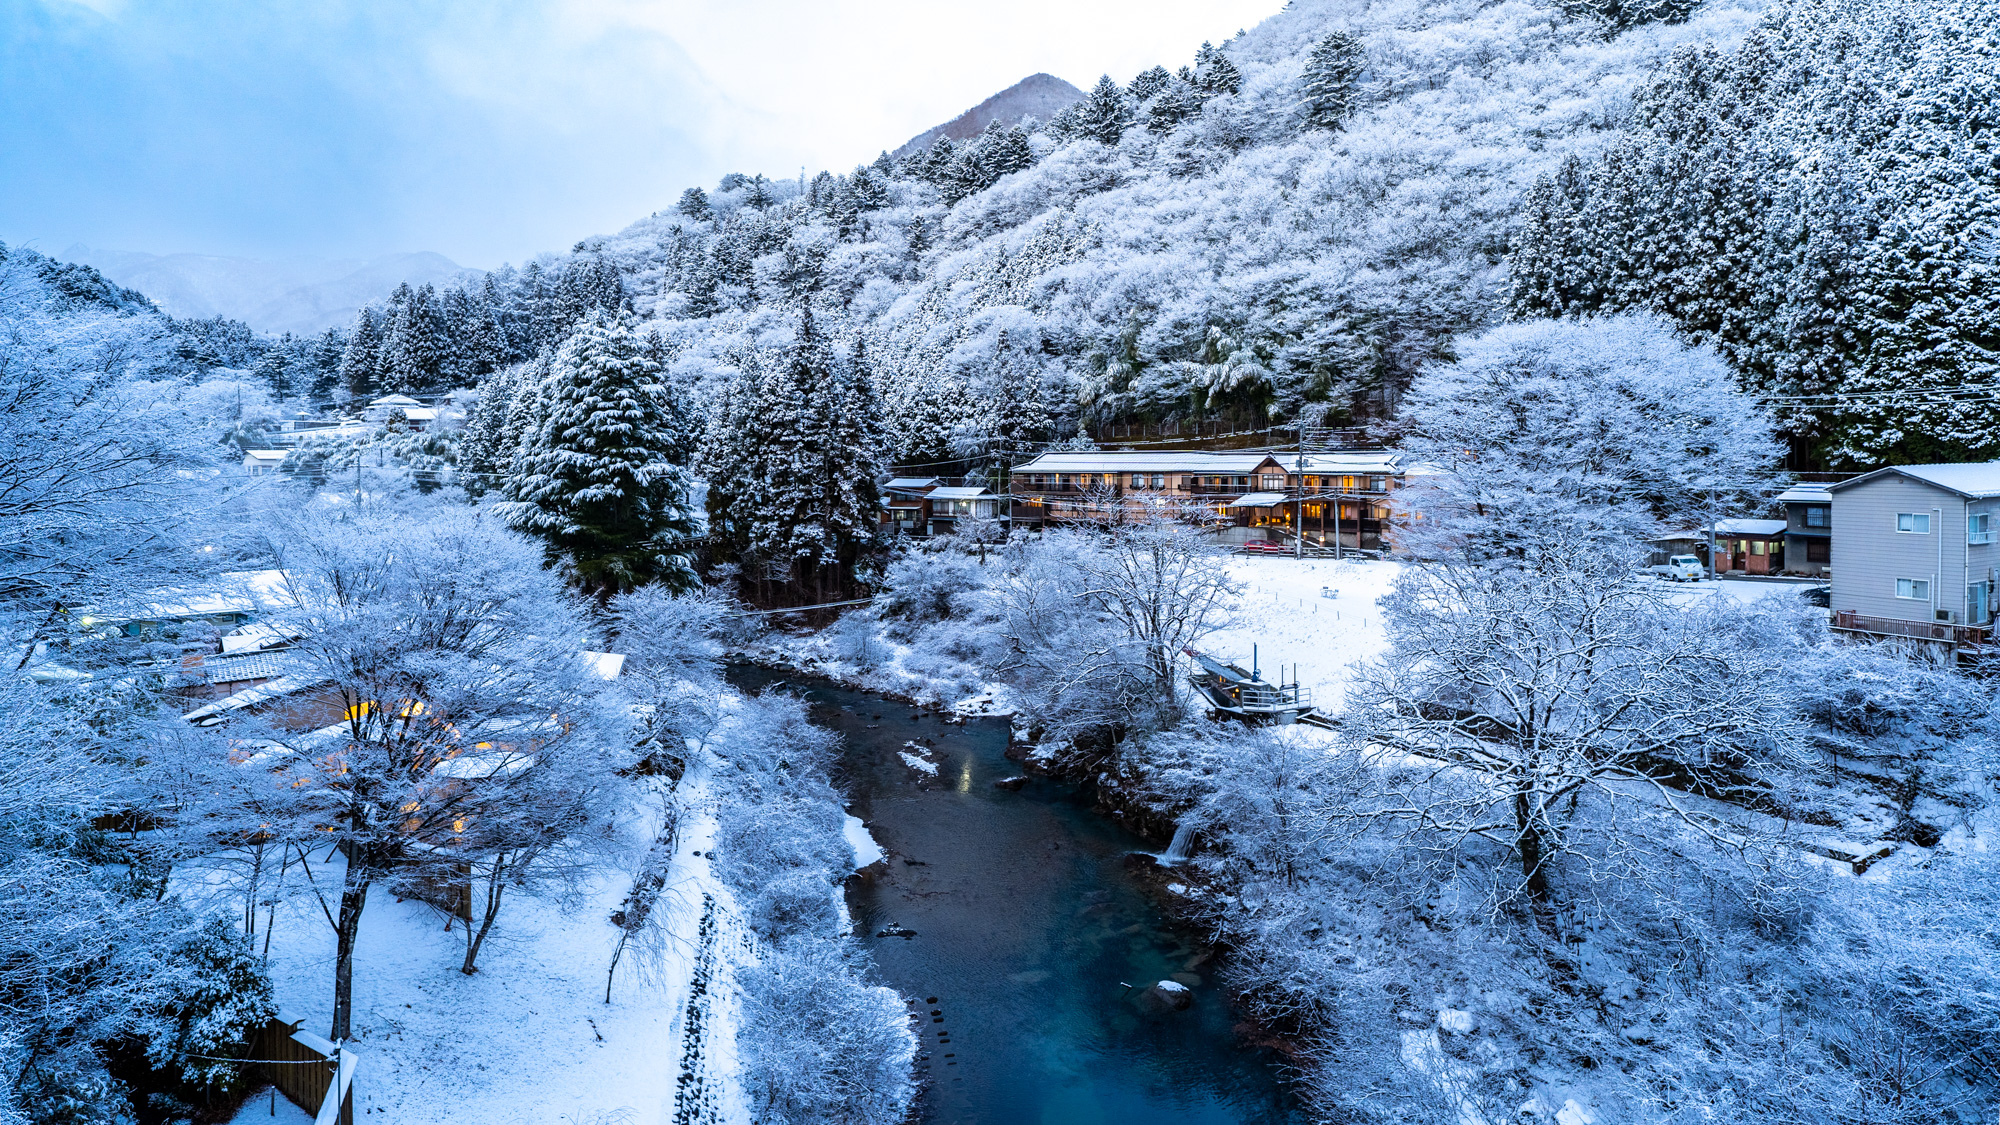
(1011,784)
(1167,996)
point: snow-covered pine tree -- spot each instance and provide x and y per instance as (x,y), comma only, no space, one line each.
(1214,73)
(603,480)
(274,368)
(1007,150)
(1171,106)
(694,204)
(1327,89)
(1103,113)
(413,342)
(1149,82)
(327,349)
(359,362)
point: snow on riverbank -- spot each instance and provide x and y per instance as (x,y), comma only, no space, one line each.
(529,1037)
(1297,630)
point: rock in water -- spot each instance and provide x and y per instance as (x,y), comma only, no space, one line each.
(1167,996)
(1011,784)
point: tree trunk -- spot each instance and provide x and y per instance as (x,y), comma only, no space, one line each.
(1529,842)
(353,896)
(495,884)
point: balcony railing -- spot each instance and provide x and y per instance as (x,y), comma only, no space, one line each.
(1959,636)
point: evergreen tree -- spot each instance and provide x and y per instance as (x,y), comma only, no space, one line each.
(1171,106)
(1007,151)
(867,189)
(703,286)
(603,480)
(274,368)
(694,204)
(884,167)
(327,349)
(1327,89)
(1103,114)
(759,194)
(482,451)
(1214,73)
(414,344)
(1149,82)
(919,234)
(358,362)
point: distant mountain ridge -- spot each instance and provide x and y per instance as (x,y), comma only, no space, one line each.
(1041,96)
(299,296)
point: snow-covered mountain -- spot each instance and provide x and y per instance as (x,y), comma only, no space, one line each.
(1040,96)
(298,295)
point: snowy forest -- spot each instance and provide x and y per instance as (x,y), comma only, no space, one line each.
(436,735)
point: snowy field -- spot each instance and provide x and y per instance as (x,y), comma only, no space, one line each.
(529,1038)
(1294,626)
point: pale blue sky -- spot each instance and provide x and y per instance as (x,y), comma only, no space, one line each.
(491,131)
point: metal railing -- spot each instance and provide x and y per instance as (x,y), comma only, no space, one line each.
(1961,636)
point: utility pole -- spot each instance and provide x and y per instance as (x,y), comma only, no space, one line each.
(1299,505)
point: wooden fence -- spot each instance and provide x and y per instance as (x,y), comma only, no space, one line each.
(301,1065)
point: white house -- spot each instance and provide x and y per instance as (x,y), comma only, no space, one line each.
(260,461)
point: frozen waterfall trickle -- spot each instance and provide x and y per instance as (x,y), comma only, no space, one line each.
(1182,845)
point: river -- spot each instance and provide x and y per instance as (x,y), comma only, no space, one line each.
(1031,940)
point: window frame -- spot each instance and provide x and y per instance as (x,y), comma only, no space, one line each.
(1914,519)
(1817,516)
(1913,584)
(1984,535)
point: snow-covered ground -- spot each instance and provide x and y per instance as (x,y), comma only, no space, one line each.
(1297,629)
(529,1038)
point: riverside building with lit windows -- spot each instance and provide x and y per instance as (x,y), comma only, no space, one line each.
(1328,498)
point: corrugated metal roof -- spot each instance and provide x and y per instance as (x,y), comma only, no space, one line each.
(1749,527)
(245,666)
(1133,461)
(1976,479)
(911,482)
(1803,493)
(958,493)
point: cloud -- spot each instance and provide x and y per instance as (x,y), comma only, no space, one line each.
(489,131)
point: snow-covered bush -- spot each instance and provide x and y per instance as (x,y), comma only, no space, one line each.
(920,587)
(818,1046)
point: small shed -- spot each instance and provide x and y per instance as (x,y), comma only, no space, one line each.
(1750,546)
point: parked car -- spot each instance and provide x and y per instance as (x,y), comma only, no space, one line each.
(1679,568)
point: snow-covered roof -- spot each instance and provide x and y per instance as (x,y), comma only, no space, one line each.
(958,493)
(1803,493)
(243,591)
(271,689)
(1131,461)
(420,414)
(395,400)
(265,455)
(231,668)
(1749,527)
(605,665)
(912,482)
(1361,464)
(1975,479)
(1257,500)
